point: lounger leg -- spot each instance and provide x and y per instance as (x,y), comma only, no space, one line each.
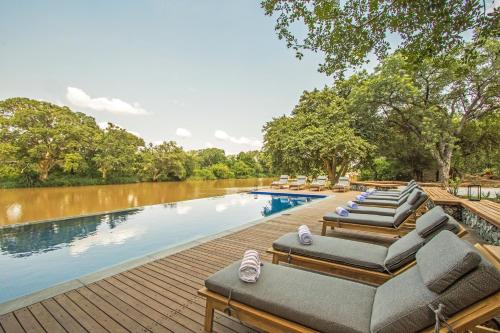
(323,229)
(276,259)
(209,316)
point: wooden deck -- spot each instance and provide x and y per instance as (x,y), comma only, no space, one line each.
(161,296)
(487,209)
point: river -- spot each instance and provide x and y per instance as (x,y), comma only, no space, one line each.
(35,204)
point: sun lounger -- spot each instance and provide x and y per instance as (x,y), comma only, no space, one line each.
(395,197)
(319,183)
(419,206)
(363,261)
(387,203)
(342,185)
(299,183)
(399,224)
(282,182)
(451,277)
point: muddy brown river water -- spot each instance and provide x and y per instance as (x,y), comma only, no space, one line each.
(35,204)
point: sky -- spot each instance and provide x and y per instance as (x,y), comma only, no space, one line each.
(202,73)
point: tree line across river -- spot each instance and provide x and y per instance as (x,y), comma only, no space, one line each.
(49,145)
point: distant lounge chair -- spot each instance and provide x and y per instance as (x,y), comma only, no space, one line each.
(363,261)
(343,185)
(399,224)
(387,202)
(386,211)
(319,183)
(282,182)
(451,277)
(299,183)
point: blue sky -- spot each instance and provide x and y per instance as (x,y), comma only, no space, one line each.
(203,73)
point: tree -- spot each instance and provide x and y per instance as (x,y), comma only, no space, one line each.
(164,161)
(348,32)
(221,171)
(436,99)
(39,135)
(210,156)
(318,135)
(117,151)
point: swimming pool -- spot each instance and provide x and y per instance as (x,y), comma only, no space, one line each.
(37,256)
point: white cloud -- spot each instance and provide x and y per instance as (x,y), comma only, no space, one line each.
(80,98)
(221,135)
(209,145)
(183,133)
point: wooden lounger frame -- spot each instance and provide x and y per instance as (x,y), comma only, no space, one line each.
(342,270)
(406,226)
(468,318)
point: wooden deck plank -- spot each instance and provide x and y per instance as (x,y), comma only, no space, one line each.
(74,310)
(486,209)
(28,322)
(62,317)
(48,322)
(10,324)
(109,309)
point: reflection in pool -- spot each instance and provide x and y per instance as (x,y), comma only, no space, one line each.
(37,256)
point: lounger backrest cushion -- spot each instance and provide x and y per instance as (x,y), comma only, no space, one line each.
(284,177)
(403,251)
(402,213)
(413,197)
(456,258)
(430,221)
(402,303)
(322,178)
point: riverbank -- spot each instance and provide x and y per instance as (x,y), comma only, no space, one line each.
(22,205)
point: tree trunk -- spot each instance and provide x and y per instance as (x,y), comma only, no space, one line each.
(444,162)
(104,173)
(329,170)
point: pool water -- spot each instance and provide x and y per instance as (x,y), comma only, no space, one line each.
(37,256)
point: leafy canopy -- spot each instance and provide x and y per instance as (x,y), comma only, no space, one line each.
(347,32)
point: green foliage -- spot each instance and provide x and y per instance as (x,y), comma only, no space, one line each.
(117,152)
(221,171)
(318,137)
(203,174)
(166,161)
(435,101)
(47,145)
(347,32)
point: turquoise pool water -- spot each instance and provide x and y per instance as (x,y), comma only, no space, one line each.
(37,256)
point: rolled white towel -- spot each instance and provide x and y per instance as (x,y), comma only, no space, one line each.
(371,190)
(342,211)
(352,204)
(365,194)
(305,236)
(250,266)
(360,198)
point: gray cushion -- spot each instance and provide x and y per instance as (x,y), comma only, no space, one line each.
(401,304)
(369,202)
(402,213)
(375,220)
(444,260)
(413,197)
(403,251)
(339,250)
(372,210)
(431,220)
(317,301)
